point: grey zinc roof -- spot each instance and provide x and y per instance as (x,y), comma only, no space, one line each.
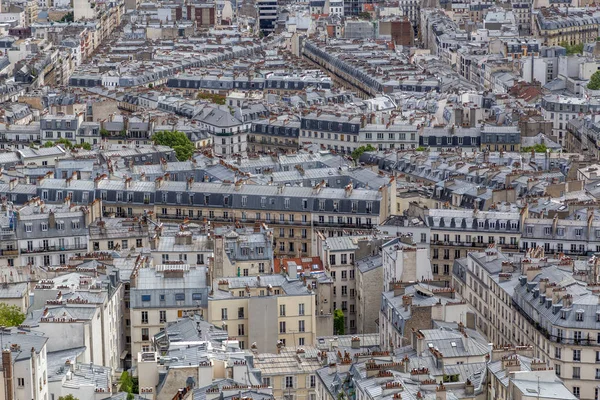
(341,243)
(21,342)
(289,287)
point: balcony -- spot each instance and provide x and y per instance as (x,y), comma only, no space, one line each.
(46,249)
(556,339)
(9,253)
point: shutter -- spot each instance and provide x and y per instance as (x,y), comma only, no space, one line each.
(307,384)
(282,382)
(295,382)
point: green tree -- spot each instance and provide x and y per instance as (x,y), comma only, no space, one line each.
(212,97)
(48,144)
(68,17)
(10,315)
(104,132)
(359,151)
(572,49)
(339,328)
(178,141)
(68,397)
(421,148)
(594,83)
(126,382)
(538,148)
(365,15)
(85,146)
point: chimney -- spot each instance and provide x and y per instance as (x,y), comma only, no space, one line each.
(12,183)
(440,392)
(348,189)
(190,183)
(8,373)
(469,388)
(398,288)
(407,302)
(355,342)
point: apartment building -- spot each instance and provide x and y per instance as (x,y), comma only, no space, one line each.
(119,234)
(554,26)
(24,364)
(454,233)
(339,258)
(407,308)
(369,282)
(500,138)
(49,235)
(556,310)
(56,127)
(264,310)
(479,279)
(331,131)
(561,109)
(294,213)
(291,372)
(404,262)
(183,247)
(526,375)
(549,304)
(278,134)
(243,251)
(76,310)
(576,236)
(162,293)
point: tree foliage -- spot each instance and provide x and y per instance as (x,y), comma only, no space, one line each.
(126,382)
(68,145)
(572,49)
(68,397)
(212,97)
(538,148)
(360,150)
(10,315)
(339,327)
(594,83)
(68,17)
(178,141)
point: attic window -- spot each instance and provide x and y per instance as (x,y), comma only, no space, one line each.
(579,315)
(563,315)
(430,345)
(453,344)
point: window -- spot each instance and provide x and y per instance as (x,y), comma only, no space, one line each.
(179,296)
(162,316)
(44,226)
(557,369)
(282,327)
(597,373)
(576,355)
(282,310)
(144,317)
(301,309)
(266,381)
(224,314)
(145,334)
(576,372)
(301,325)
(576,391)
(557,352)
(332,259)
(28,227)
(146,297)
(289,382)
(312,381)
(344,258)
(241,331)
(20,382)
